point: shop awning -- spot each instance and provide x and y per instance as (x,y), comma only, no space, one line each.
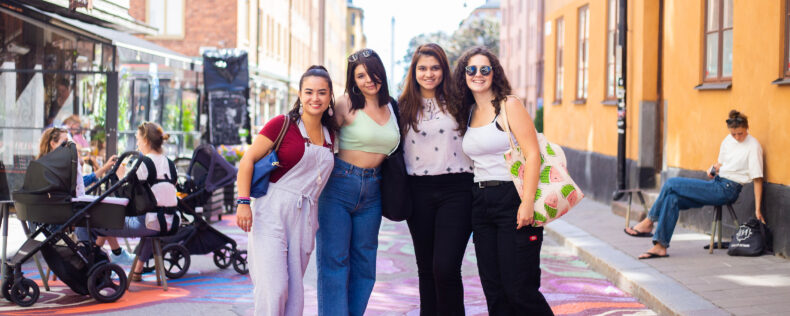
(131,49)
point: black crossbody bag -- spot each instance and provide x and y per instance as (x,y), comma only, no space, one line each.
(396,204)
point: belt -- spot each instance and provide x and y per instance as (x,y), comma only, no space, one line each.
(492,183)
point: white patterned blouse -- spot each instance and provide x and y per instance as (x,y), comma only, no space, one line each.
(435,149)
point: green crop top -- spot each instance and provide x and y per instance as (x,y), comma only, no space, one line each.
(364,134)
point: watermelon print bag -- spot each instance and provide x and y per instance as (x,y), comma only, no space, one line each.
(556,193)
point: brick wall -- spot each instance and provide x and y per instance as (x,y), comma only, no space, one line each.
(207,23)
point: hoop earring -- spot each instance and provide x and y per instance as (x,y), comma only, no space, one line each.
(357,91)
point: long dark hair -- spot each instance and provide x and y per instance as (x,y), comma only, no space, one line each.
(375,69)
(410,101)
(326,119)
(499,84)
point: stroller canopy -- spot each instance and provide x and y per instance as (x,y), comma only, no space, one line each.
(55,172)
(210,169)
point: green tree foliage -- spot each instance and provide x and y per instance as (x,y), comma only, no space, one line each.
(477,31)
(539,120)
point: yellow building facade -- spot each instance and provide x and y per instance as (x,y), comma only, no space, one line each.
(689,62)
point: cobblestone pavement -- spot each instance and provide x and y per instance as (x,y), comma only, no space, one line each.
(568,284)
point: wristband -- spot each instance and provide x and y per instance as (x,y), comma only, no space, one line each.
(242,201)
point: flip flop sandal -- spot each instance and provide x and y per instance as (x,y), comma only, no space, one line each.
(651,255)
(638,233)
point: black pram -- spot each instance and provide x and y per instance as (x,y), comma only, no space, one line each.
(208,171)
(48,197)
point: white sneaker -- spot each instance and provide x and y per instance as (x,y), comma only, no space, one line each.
(123,259)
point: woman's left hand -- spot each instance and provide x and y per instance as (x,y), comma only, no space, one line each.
(525,216)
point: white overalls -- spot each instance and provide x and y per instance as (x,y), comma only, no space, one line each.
(282,237)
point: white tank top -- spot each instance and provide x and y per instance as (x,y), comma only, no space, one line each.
(486,146)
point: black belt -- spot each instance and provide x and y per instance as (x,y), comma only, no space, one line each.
(492,183)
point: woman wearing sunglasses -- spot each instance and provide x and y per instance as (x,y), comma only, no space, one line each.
(506,243)
(349,209)
(740,161)
(440,178)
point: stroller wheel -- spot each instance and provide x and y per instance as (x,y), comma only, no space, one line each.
(7,284)
(223,257)
(25,293)
(240,262)
(176,260)
(107,283)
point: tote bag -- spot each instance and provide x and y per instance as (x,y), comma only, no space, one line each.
(556,193)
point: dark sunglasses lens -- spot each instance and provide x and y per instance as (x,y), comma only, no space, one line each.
(471,70)
(485,70)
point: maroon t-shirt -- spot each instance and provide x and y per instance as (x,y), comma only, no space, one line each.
(292,146)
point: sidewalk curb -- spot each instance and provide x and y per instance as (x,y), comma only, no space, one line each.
(659,292)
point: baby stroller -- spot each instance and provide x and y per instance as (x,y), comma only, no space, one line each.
(48,198)
(207,172)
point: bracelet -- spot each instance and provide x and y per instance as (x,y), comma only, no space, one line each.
(242,201)
(244,198)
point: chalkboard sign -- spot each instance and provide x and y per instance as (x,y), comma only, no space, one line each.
(227,115)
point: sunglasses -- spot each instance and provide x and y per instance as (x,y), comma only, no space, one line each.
(363,53)
(731,121)
(472,70)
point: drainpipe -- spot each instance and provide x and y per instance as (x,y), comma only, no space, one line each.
(660,88)
(621,110)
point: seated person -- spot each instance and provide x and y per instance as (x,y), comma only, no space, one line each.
(150,138)
(740,161)
(52,138)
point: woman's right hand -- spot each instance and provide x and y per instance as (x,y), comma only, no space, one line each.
(244,217)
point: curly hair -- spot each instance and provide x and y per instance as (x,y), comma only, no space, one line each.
(500,87)
(410,101)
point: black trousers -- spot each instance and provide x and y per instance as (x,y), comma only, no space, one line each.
(508,260)
(440,227)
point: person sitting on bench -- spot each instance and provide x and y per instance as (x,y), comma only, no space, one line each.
(740,161)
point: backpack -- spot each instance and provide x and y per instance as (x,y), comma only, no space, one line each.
(141,198)
(753,238)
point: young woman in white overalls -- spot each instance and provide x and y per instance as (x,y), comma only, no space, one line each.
(282,224)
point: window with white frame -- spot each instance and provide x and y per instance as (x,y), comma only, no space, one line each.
(582,53)
(558,63)
(167,16)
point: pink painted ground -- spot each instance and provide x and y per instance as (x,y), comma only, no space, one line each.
(568,284)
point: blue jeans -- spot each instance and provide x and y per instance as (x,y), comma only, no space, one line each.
(684,193)
(349,217)
(134,226)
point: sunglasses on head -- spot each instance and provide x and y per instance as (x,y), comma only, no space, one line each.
(363,53)
(735,120)
(472,70)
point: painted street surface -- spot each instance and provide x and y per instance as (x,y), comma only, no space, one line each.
(568,284)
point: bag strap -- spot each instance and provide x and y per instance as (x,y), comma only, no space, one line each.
(503,109)
(283,130)
(149,165)
(173,178)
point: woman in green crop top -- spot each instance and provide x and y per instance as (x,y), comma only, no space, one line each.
(349,209)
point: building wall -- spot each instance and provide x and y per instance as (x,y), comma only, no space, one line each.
(355,28)
(208,23)
(672,128)
(336,42)
(757,55)
(521,49)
